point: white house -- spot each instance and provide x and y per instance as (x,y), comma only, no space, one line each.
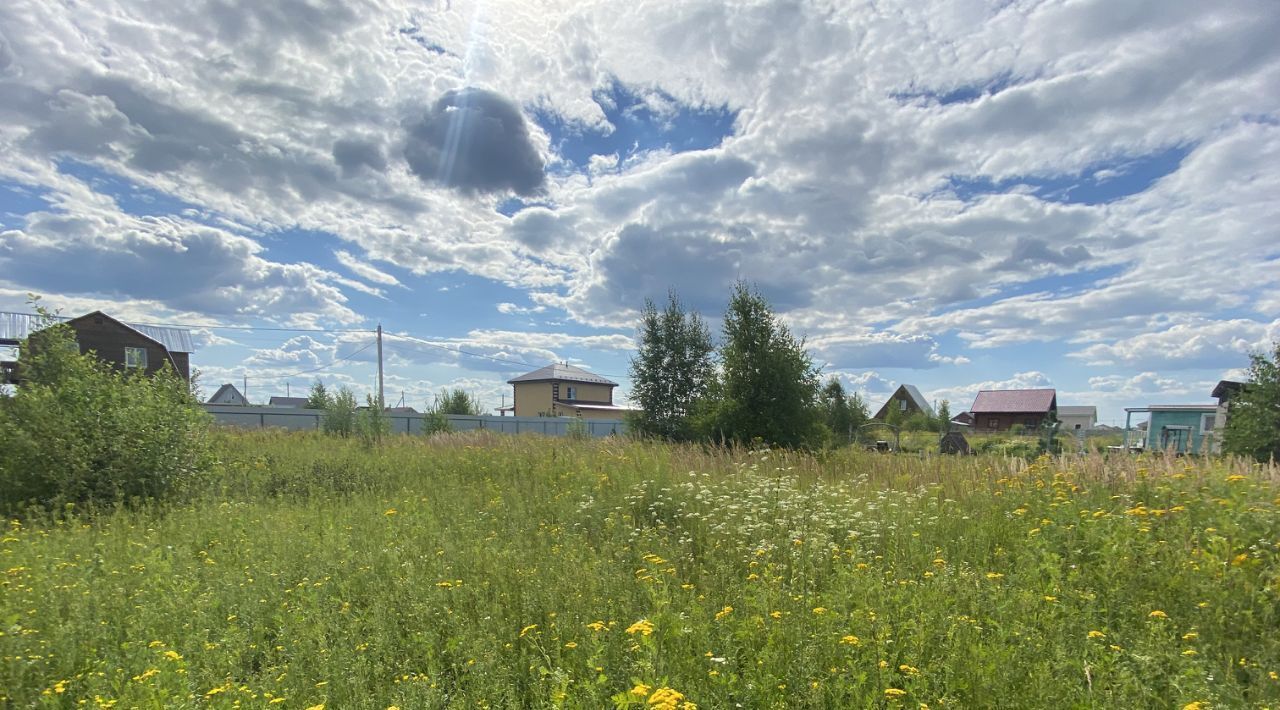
(1077,418)
(228,394)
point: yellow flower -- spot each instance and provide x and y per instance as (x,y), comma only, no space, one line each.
(1197,705)
(819,610)
(850,640)
(667,699)
(995,575)
(776,614)
(724,612)
(894,693)
(908,670)
(1190,636)
(641,689)
(390,511)
(317,707)
(173,655)
(1050,598)
(1097,635)
(1273,675)
(1236,478)
(571,644)
(1157,614)
(527,629)
(643,627)
(597,626)
(1189,652)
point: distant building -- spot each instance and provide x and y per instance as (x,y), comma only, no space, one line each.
(228,394)
(906,400)
(1224,392)
(562,390)
(1177,428)
(963,419)
(125,346)
(1000,410)
(295,402)
(1077,418)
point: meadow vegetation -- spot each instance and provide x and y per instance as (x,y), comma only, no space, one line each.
(490,571)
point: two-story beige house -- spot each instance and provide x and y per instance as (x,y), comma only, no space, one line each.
(562,390)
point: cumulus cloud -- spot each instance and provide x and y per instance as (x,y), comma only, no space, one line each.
(474,140)
(882,349)
(1200,344)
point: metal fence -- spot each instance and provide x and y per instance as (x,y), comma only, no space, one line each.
(293,418)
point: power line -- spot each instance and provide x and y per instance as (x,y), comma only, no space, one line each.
(218,327)
(348,356)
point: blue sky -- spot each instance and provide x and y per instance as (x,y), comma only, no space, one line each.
(956,197)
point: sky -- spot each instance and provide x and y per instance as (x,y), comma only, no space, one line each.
(958,195)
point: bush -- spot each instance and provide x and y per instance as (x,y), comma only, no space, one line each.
(78,431)
(340,415)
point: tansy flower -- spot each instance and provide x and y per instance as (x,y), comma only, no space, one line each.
(1049,598)
(776,614)
(666,698)
(724,612)
(597,626)
(995,575)
(571,644)
(1190,636)
(1197,705)
(641,689)
(1157,614)
(819,610)
(390,511)
(1189,652)
(850,640)
(1097,635)
(643,627)
(173,655)
(894,693)
(527,629)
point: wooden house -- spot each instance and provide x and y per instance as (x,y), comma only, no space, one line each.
(906,401)
(125,346)
(1001,410)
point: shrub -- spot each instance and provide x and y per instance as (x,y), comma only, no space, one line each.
(78,431)
(340,415)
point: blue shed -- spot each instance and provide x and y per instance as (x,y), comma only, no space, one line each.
(1180,428)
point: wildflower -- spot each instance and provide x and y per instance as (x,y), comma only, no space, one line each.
(724,612)
(1236,478)
(644,627)
(390,511)
(884,663)
(666,698)
(1190,636)
(1097,635)
(894,693)
(995,575)
(173,655)
(1189,652)
(571,644)
(1197,705)
(850,640)
(940,562)
(1157,614)
(1050,599)
(819,610)
(776,614)
(319,706)
(1273,675)
(641,689)
(908,670)
(527,629)
(597,626)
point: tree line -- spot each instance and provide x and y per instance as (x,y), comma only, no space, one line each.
(759,386)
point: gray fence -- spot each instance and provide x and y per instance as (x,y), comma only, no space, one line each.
(302,419)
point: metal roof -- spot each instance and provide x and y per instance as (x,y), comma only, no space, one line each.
(17,326)
(564,373)
(1006,401)
(1076,411)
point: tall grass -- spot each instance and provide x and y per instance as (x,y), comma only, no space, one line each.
(490,571)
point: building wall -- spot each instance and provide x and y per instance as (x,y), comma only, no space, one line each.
(589,413)
(1158,427)
(895,405)
(534,399)
(108,339)
(1005,420)
(1071,422)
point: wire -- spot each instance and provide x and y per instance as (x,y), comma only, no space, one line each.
(220,327)
(459,351)
(348,356)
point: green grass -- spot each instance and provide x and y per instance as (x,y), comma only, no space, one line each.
(475,571)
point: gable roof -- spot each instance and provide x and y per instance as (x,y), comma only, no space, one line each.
(1074,411)
(16,326)
(564,373)
(912,394)
(225,389)
(287,402)
(1002,401)
(1226,388)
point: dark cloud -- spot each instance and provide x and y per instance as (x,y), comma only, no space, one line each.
(475,141)
(353,153)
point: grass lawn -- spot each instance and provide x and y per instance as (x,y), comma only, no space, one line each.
(488,571)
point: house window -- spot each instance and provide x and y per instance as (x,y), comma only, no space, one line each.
(1031,423)
(902,405)
(1207,422)
(573,392)
(135,357)
(993,423)
(1077,427)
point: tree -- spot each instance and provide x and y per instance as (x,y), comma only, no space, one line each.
(671,371)
(456,401)
(1253,418)
(340,415)
(944,417)
(769,385)
(319,398)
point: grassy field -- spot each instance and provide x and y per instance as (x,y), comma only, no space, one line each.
(470,571)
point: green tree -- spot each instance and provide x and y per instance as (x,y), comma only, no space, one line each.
(944,417)
(319,398)
(78,430)
(456,401)
(837,413)
(671,371)
(769,385)
(1253,419)
(340,415)
(372,422)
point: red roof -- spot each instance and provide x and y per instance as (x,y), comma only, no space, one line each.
(1017,401)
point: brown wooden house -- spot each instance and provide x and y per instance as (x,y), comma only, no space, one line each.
(125,346)
(1000,410)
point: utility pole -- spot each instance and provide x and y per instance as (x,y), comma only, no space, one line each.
(246,388)
(381,400)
